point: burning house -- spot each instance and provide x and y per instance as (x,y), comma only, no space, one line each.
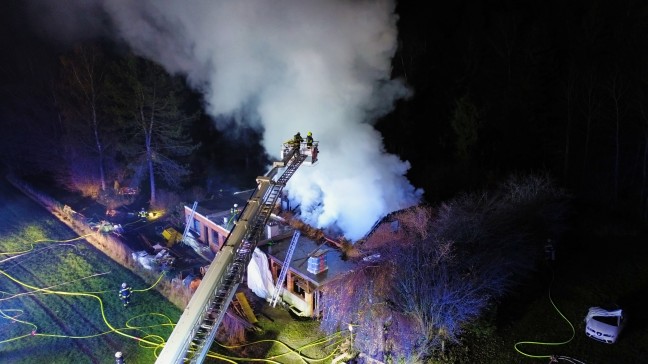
(311,264)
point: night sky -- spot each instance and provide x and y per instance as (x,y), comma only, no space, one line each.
(494,88)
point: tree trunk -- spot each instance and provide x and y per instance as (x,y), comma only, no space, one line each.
(616,94)
(569,95)
(102,174)
(590,109)
(644,168)
(151,170)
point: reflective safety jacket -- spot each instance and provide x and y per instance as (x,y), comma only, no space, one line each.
(125,292)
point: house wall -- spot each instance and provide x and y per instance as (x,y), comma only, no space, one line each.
(209,232)
(301,307)
(297,291)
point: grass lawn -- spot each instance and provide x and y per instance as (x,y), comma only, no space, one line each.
(283,339)
(58,295)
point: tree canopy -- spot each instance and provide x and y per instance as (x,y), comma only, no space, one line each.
(148,105)
(427,272)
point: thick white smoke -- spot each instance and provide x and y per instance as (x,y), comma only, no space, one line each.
(286,66)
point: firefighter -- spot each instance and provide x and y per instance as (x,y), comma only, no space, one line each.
(119,358)
(125,294)
(297,139)
(309,140)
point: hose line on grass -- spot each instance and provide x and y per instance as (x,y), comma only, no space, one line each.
(62,241)
(18,253)
(552,358)
(558,358)
(145,339)
(153,285)
(289,351)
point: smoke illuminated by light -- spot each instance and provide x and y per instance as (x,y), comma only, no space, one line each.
(282,67)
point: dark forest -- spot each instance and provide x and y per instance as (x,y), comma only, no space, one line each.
(517,86)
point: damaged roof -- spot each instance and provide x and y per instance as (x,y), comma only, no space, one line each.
(277,249)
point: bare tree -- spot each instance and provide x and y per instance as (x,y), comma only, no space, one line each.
(644,164)
(569,98)
(590,109)
(82,103)
(426,273)
(617,91)
(150,107)
(465,123)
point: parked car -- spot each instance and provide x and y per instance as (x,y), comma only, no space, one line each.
(603,325)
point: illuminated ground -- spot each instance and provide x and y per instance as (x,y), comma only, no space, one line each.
(58,295)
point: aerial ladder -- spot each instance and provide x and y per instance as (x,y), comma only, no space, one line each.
(195,331)
(189,220)
(284,269)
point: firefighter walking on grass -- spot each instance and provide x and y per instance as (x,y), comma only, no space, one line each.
(125,294)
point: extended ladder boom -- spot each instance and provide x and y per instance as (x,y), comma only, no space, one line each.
(195,331)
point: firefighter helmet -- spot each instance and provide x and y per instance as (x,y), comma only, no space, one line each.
(124,285)
(310,134)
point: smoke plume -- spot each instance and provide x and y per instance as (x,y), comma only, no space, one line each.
(281,66)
